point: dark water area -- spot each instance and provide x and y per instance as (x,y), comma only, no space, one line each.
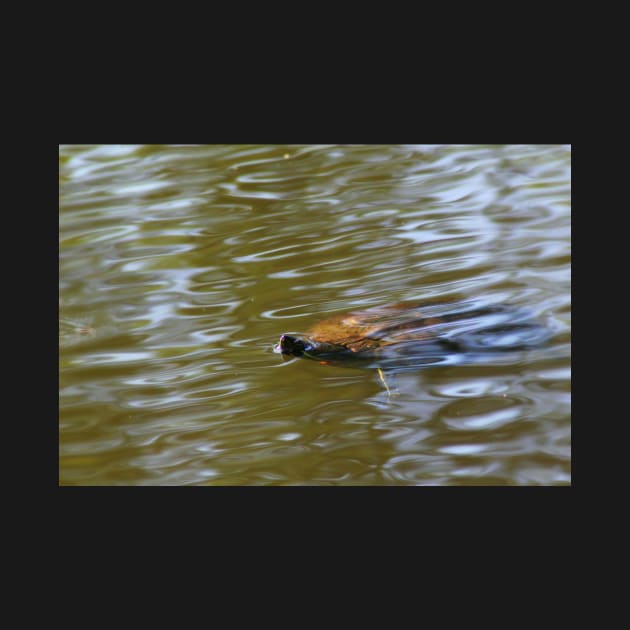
(181,266)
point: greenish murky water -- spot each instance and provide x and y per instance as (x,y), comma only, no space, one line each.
(181,266)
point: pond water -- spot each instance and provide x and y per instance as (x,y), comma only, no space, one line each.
(181,266)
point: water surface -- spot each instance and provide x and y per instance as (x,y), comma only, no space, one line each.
(180,266)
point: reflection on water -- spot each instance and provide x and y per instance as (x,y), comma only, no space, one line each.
(181,266)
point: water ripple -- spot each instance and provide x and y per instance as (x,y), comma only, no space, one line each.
(180,266)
